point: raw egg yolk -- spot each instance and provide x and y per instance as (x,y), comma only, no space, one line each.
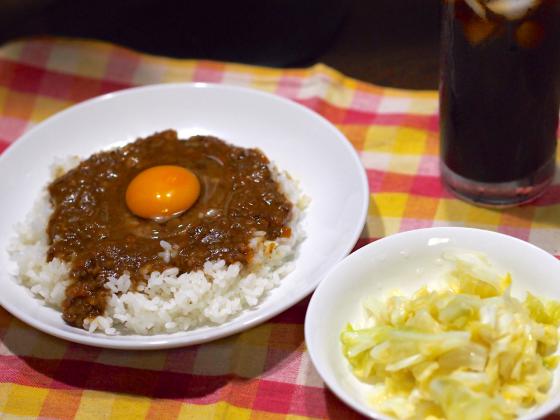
(162,192)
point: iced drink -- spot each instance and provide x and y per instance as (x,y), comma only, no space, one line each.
(499,98)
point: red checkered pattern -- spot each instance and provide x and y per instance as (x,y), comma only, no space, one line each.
(263,373)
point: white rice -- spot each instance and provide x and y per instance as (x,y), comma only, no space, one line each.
(169,301)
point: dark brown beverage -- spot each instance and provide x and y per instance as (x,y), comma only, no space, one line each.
(499,98)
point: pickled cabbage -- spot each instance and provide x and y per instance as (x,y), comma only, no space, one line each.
(466,350)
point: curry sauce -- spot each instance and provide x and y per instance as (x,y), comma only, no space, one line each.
(92,229)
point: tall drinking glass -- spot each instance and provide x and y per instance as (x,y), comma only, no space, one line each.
(499,98)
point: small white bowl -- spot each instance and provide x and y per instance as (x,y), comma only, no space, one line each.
(407,261)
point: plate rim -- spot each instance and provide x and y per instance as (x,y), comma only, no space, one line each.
(180,339)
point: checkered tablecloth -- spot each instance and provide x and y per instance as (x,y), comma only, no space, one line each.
(263,373)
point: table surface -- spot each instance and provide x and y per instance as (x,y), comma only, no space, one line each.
(265,372)
(387,42)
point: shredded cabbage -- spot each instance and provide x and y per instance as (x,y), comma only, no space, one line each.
(467,350)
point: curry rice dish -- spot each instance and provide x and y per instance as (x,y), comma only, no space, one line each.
(103,247)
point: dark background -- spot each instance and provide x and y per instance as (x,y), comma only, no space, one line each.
(387,42)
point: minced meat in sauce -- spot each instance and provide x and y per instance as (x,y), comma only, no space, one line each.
(92,229)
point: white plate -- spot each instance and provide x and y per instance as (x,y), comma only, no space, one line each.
(295,138)
(406,261)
